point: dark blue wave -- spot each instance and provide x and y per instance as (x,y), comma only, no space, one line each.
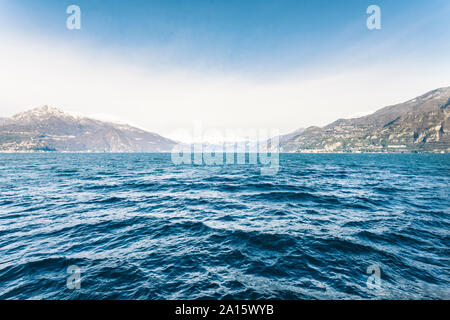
(139,227)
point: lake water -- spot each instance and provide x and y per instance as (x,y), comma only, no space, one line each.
(136,226)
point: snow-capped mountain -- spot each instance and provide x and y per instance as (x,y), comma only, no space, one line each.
(51,129)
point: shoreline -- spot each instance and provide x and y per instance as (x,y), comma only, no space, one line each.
(302,152)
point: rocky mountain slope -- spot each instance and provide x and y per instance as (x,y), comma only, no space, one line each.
(50,129)
(418,125)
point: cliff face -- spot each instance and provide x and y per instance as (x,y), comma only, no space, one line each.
(50,129)
(418,125)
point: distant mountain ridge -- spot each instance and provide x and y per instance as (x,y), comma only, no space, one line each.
(418,125)
(51,129)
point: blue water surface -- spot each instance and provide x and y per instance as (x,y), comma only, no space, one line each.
(139,227)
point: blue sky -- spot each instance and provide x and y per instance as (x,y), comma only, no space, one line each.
(252,36)
(258,41)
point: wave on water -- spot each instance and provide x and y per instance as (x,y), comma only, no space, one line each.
(139,227)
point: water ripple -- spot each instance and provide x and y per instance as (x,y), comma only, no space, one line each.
(139,227)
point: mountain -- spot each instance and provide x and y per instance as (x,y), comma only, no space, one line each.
(51,129)
(419,125)
(287,137)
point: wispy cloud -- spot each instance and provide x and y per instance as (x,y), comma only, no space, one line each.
(141,85)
